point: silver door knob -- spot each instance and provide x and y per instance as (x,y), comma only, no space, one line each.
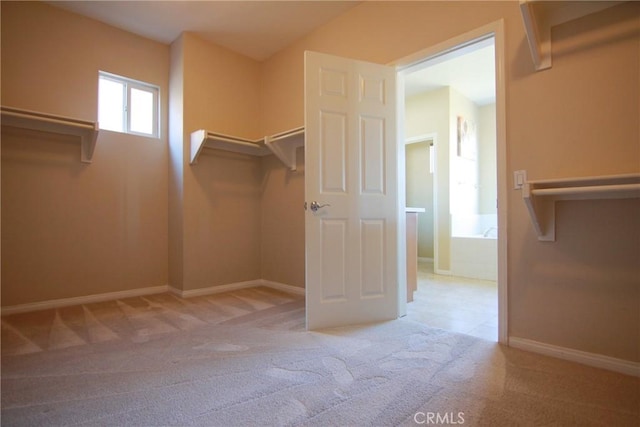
(314,206)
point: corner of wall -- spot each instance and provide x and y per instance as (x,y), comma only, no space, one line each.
(176,164)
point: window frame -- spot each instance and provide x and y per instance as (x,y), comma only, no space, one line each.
(127,85)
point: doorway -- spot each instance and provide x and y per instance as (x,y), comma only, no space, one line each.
(452,127)
(385,179)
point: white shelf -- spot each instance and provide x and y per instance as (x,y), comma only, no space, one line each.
(540,196)
(283,145)
(539,16)
(25,119)
(205,139)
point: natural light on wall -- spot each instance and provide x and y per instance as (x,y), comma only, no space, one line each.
(127,106)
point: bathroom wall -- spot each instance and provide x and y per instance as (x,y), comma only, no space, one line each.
(463,161)
(436,112)
(488,180)
(473,173)
(419,193)
(428,113)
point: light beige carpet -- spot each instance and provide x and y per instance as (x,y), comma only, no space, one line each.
(243,359)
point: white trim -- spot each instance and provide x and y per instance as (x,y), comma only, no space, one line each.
(235,286)
(127,85)
(414,61)
(214,289)
(503,179)
(283,287)
(435,227)
(442,272)
(87,299)
(401,198)
(453,44)
(111,296)
(432,136)
(591,359)
(425,259)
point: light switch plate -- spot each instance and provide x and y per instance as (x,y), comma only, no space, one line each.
(519,178)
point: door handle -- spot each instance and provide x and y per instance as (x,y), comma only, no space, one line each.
(314,206)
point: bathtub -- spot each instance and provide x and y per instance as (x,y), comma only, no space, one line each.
(474,246)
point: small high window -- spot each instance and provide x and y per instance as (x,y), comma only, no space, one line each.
(128,106)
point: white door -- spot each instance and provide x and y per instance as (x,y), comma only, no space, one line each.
(350,174)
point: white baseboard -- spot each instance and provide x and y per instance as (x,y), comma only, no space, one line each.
(424,259)
(110,296)
(442,272)
(88,299)
(583,357)
(234,286)
(296,290)
(215,289)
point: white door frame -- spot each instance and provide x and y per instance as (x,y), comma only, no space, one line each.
(403,66)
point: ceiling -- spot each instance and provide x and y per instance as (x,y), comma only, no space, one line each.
(258,29)
(470,70)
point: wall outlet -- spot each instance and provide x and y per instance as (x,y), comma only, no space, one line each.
(519,178)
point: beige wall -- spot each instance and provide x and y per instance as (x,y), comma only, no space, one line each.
(242,216)
(487,139)
(419,183)
(428,113)
(463,171)
(68,228)
(578,118)
(177,155)
(435,113)
(282,213)
(222,193)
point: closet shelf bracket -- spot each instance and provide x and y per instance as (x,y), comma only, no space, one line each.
(540,196)
(205,139)
(26,119)
(284,146)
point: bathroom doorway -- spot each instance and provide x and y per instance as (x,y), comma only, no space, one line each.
(451,171)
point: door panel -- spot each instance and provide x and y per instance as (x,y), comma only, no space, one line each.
(334,257)
(333,146)
(350,168)
(372,158)
(372,234)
